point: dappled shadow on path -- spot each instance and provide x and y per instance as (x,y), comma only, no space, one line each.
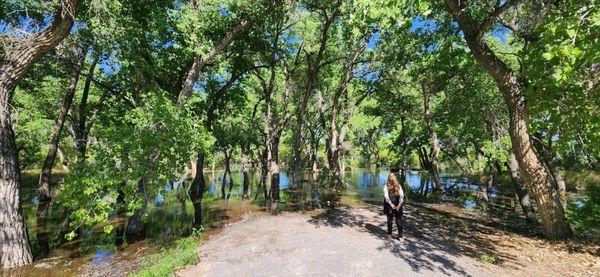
(433,239)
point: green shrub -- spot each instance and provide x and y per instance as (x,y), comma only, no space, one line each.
(168,261)
(490,259)
(584,212)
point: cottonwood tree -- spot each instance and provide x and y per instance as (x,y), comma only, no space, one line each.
(476,22)
(14,248)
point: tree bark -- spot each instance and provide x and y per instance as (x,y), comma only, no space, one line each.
(14,247)
(534,175)
(522,193)
(245,169)
(435,147)
(197,190)
(547,156)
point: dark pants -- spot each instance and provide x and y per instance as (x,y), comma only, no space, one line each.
(391,215)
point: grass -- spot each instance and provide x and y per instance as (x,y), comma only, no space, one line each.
(490,259)
(580,180)
(168,261)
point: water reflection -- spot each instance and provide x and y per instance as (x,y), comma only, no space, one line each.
(102,256)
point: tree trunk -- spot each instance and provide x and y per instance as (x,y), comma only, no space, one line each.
(334,139)
(435,147)
(313,72)
(14,247)
(522,193)
(197,190)
(463,170)
(228,169)
(245,169)
(81,128)
(403,152)
(547,156)
(224,180)
(43,190)
(135,227)
(200,61)
(534,175)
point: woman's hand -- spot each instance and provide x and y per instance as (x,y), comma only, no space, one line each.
(393,207)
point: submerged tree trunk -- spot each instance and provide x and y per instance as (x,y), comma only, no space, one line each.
(197,190)
(135,227)
(551,212)
(228,170)
(522,193)
(14,247)
(225,190)
(43,190)
(435,148)
(245,169)
(42,234)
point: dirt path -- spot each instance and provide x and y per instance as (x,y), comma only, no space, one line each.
(334,243)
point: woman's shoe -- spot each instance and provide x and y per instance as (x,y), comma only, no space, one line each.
(401,238)
(389,237)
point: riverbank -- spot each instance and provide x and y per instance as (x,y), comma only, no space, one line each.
(440,240)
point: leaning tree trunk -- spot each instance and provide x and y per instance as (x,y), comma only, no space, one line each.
(435,148)
(14,247)
(200,61)
(44,180)
(551,212)
(522,193)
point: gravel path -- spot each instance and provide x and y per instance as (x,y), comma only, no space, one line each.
(333,243)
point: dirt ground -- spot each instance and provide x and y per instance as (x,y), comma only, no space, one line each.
(351,242)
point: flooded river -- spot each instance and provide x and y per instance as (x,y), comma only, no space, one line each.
(171,214)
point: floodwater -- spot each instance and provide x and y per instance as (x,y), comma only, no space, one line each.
(171,213)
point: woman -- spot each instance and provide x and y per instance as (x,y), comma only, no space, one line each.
(392,205)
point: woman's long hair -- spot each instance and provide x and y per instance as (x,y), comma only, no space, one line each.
(392,185)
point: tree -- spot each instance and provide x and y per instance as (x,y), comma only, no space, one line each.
(535,176)
(14,248)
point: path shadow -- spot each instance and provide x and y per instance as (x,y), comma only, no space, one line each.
(433,240)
